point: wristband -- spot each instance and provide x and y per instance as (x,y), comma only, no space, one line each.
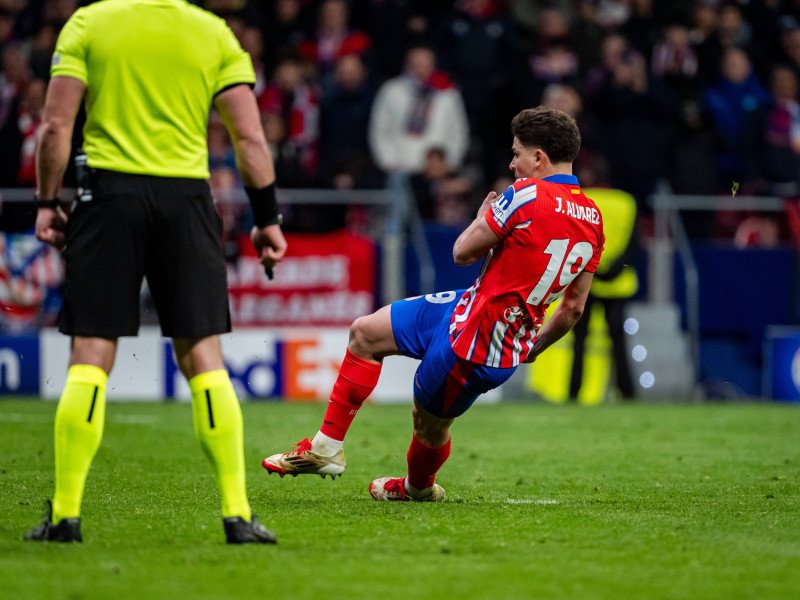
(54,203)
(264,206)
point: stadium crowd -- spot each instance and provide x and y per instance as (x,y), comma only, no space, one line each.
(698,93)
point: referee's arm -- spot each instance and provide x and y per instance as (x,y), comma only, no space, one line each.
(239,112)
(63,100)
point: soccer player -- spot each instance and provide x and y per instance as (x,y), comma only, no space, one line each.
(148,72)
(540,240)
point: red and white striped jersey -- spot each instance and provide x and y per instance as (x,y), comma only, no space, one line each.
(549,232)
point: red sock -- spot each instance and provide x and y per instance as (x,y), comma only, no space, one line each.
(357,378)
(424,462)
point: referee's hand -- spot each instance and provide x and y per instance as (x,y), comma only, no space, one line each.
(270,246)
(51,227)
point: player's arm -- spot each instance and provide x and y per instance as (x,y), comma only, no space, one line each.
(239,112)
(567,313)
(477,239)
(61,106)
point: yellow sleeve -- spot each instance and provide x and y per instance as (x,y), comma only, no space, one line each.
(236,66)
(69,58)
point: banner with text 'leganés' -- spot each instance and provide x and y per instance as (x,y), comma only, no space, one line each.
(324,279)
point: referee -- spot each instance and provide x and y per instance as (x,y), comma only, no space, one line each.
(148,72)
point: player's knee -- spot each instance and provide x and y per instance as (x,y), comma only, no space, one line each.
(360,340)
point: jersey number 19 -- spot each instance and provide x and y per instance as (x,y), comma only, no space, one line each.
(575,261)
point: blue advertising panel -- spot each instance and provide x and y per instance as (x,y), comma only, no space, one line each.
(19,365)
(782,363)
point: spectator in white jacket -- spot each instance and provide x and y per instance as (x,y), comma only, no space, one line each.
(417,111)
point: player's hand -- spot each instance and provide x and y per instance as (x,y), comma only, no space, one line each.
(51,227)
(487,203)
(270,245)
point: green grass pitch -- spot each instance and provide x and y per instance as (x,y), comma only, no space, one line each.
(623,501)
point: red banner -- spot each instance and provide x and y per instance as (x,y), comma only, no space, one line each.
(325,279)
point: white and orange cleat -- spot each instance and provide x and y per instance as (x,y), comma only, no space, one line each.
(394,488)
(303,461)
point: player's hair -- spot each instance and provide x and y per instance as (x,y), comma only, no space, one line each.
(550,129)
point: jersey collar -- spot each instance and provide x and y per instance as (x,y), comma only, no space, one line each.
(569,179)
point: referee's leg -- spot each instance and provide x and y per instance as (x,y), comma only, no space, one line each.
(218,427)
(79,422)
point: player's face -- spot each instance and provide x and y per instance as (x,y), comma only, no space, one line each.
(525,160)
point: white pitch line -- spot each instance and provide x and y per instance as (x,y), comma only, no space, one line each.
(530,501)
(24,418)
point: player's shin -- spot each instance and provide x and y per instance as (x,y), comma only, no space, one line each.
(357,378)
(423,464)
(218,427)
(78,431)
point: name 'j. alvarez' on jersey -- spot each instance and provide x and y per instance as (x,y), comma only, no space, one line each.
(550,232)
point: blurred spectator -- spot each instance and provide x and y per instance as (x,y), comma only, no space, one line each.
(567,99)
(612,14)
(6,25)
(30,118)
(587,29)
(58,12)
(691,155)
(640,26)
(236,22)
(285,155)
(333,38)
(554,61)
(442,195)
(291,97)
(732,32)
(252,42)
(732,103)
(398,24)
(757,230)
(633,114)
(612,52)
(790,43)
(13,81)
(284,28)
(42,47)
(415,112)
(704,22)
(344,120)
(528,13)
(479,46)
(776,148)
(674,58)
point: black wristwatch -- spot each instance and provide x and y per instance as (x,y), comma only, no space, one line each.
(54,203)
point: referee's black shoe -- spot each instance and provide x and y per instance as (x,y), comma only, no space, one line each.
(66,530)
(239,531)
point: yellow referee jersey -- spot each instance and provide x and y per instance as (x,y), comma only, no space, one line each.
(151,70)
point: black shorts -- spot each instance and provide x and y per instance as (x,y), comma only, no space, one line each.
(163,228)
